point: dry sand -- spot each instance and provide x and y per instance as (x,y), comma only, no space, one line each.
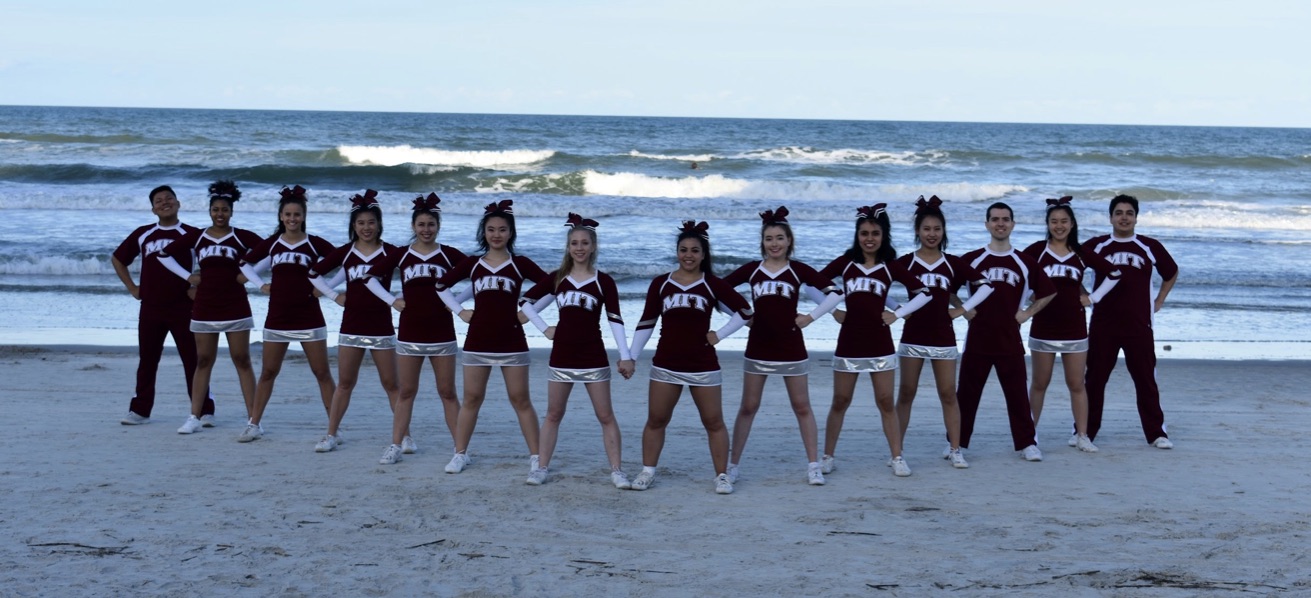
(90,507)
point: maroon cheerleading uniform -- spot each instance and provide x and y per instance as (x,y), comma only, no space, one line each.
(931,326)
(863,334)
(774,334)
(684,314)
(292,304)
(495,326)
(578,344)
(364,314)
(994,340)
(219,297)
(1123,320)
(425,319)
(165,309)
(1065,318)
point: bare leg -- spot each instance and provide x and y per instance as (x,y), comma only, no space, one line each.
(239,350)
(348,373)
(887,409)
(710,403)
(599,392)
(799,395)
(661,399)
(270,365)
(475,390)
(753,388)
(557,399)
(944,374)
(844,386)
(408,368)
(910,385)
(206,351)
(444,368)
(1074,364)
(316,353)
(1043,363)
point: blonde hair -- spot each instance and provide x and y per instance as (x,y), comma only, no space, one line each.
(567,264)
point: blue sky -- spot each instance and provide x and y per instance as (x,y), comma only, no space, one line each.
(1114,61)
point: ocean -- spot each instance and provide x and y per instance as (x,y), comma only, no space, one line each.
(1233,205)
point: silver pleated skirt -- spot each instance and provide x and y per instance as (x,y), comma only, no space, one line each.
(934,353)
(1042,346)
(495,359)
(360,341)
(223,326)
(586,376)
(296,336)
(782,368)
(425,349)
(887,363)
(715,378)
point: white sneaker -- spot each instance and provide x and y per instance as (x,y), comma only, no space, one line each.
(723,485)
(132,419)
(828,464)
(327,444)
(536,477)
(899,467)
(458,463)
(946,452)
(957,458)
(1074,440)
(191,426)
(408,446)
(1163,443)
(643,480)
(534,462)
(208,421)
(391,455)
(1085,444)
(1031,453)
(620,480)
(815,474)
(341,437)
(732,474)
(251,433)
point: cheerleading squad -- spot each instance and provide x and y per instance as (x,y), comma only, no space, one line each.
(192,286)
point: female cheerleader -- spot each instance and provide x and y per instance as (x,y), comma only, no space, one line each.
(495,336)
(366,320)
(426,330)
(929,334)
(685,356)
(221,304)
(294,314)
(580,292)
(775,344)
(1063,326)
(868,270)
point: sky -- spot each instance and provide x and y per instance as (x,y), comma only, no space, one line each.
(1113,61)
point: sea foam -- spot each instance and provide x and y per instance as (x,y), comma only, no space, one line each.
(394,155)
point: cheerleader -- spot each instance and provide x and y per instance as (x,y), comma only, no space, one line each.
(1062,327)
(427,331)
(685,356)
(294,314)
(775,344)
(580,292)
(495,336)
(867,270)
(929,335)
(221,304)
(366,320)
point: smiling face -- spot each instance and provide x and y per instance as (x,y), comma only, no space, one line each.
(164,205)
(690,255)
(869,235)
(497,233)
(365,225)
(581,248)
(775,242)
(930,232)
(1059,225)
(1124,219)
(220,212)
(425,228)
(1000,224)
(292,217)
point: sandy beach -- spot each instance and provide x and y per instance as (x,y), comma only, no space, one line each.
(91,507)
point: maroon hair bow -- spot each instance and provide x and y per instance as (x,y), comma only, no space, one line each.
(505,206)
(364,202)
(428,204)
(921,204)
(296,192)
(576,221)
(700,229)
(872,212)
(779,216)
(1051,203)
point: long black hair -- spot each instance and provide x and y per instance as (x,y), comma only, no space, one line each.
(700,231)
(878,214)
(503,209)
(1063,205)
(930,208)
(293,195)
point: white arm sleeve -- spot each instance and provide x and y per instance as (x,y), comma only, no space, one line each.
(249,272)
(920,300)
(173,266)
(977,297)
(451,303)
(830,302)
(530,310)
(1107,284)
(734,323)
(640,339)
(376,287)
(323,287)
(891,303)
(621,340)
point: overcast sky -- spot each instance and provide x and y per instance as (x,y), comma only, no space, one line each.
(1112,61)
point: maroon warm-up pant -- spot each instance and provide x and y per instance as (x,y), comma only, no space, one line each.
(153,325)
(1014,379)
(1140,359)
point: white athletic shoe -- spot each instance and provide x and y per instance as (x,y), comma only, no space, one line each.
(408,446)
(341,437)
(1074,440)
(208,421)
(957,458)
(732,474)
(946,452)
(723,485)
(1031,453)
(534,462)
(828,464)
(458,463)
(899,467)
(643,480)
(620,480)
(327,444)
(251,433)
(536,477)
(815,474)
(132,419)
(391,455)
(1163,443)
(1085,444)
(191,426)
